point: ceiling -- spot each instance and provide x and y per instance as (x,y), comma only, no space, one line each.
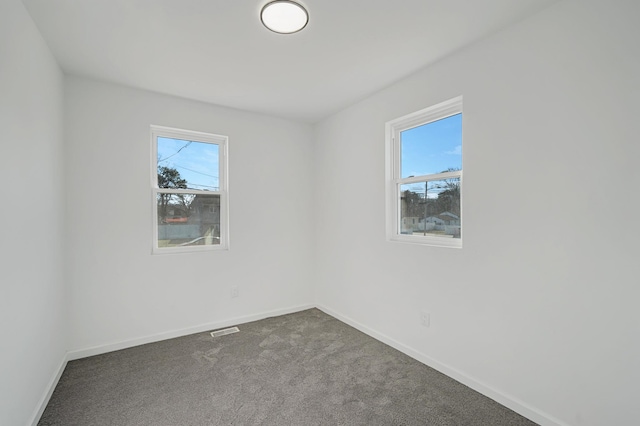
(217,51)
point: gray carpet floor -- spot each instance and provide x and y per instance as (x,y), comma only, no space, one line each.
(305,368)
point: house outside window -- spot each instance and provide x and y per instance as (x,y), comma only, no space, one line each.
(424,176)
(189,191)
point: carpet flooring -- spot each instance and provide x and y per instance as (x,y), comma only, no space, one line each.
(305,368)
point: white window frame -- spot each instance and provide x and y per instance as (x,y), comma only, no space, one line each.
(223,188)
(394,178)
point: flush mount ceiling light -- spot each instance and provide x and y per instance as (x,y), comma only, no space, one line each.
(284,16)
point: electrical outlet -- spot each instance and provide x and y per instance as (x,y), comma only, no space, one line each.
(235,291)
(425,318)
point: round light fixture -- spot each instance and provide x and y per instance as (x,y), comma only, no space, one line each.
(284,16)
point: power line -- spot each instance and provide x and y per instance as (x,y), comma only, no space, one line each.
(176,153)
(194,171)
(190,184)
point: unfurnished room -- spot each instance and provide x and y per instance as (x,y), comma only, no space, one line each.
(305,212)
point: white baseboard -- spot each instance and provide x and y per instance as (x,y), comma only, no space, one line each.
(44,400)
(512,403)
(116,346)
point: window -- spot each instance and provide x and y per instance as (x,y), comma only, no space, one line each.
(189,187)
(424,176)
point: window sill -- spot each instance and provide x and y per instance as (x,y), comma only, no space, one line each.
(194,249)
(423,240)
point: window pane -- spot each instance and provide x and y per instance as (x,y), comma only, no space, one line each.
(188,164)
(435,147)
(188,220)
(437,214)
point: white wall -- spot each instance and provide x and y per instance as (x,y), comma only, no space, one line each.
(540,314)
(32,291)
(120,292)
(539,308)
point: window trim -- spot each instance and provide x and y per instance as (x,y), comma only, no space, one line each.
(223,186)
(394,178)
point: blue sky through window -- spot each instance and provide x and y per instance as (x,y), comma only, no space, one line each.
(197,162)
(432,148)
